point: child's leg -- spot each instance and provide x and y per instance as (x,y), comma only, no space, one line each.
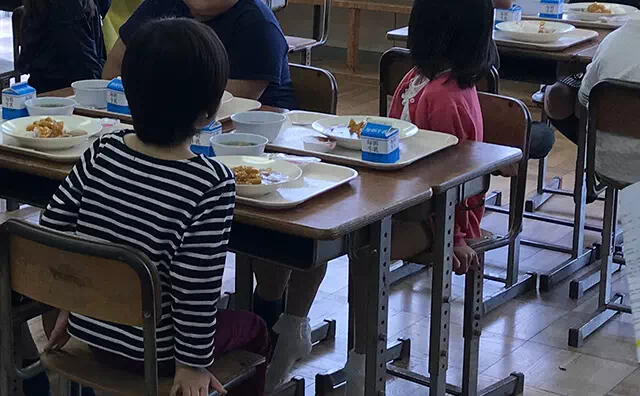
(293,328)
(246,331)
(272,281)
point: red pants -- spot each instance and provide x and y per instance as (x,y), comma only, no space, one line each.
(234,330)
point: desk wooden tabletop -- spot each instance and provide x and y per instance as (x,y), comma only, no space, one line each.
(582,52)
(370,197)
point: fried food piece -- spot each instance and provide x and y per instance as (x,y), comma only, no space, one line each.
(356,127)
(47,128)
(598,8)
(247,175)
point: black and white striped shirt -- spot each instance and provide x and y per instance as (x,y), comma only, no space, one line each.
(179,213)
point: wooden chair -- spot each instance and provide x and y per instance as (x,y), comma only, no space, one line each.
(315,89)
(613,155)
(103,281)
(396,63)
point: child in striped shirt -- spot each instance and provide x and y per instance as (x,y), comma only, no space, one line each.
(146,189)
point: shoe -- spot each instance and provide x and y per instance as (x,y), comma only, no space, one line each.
(294,343)
(538,96)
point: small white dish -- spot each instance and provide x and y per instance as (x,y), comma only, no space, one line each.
(319,144)
(263,123)
(615,10)
(17,129)
(50,106)
(231,144)
(291,171)
(91,93)
(304,118)
(337,128)
(535,31)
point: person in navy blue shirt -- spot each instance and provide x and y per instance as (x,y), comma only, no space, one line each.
(250,33)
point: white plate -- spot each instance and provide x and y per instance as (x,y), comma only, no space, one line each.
(249,190)
(528,30)
(17,129)
(304,118)
(336,127)
(317,178)
(573,38)
(580,10)
(421,145)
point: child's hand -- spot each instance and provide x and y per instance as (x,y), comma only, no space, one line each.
(59,336)
(194,381)
(464,258)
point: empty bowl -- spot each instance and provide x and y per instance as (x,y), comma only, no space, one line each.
(50,106)
(238,144)
(263,123)
(91,93)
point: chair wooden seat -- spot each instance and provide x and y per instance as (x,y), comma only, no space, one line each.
(77,363)
(300,43)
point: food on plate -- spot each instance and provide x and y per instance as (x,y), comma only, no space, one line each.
(356,127)
(598,8)
(250,175)
(543,29)
(48,128)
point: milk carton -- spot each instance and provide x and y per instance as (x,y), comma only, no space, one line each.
(116,99)
(200,142)
(543,8)
(13,99)
(380,143)
(513,14)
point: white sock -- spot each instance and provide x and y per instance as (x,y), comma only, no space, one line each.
(355,368)
(294,343)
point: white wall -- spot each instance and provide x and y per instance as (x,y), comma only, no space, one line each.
(296,20)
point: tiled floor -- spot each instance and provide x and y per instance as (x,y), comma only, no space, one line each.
(528,334)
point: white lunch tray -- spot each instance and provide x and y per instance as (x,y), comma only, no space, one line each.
(236,105)
(70,155)
(317,178)
(573,38)
(421,145)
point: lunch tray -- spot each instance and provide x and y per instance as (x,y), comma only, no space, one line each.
(236,105)
(421,145)
(573,38)
(602,23)
(317,178)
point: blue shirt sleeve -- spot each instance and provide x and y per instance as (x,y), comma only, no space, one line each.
(258,51)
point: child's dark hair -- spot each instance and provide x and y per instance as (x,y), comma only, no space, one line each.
(173,70)
(451,35)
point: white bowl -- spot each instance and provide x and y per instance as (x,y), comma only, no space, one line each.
(263,123)
(528,31)
(17,129)
(50,106)
(580,10)
(292,172)
(226,97)
(91,93)
(316,143)
(337,128)
(220,149)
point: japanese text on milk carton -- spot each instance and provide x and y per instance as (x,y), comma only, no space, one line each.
(513,14)
(200,143)
(13,99)
(380,143)
(116,99)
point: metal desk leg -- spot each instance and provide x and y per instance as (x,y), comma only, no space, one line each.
(375,267)
(472,327)
(441,291)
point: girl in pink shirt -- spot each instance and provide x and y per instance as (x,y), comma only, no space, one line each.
(449,43)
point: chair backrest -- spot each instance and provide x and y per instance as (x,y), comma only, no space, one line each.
(507,122)
(103,281)
(316,89)
(613,136)
(396,63)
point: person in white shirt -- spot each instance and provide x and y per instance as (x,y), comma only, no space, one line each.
(618,57)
